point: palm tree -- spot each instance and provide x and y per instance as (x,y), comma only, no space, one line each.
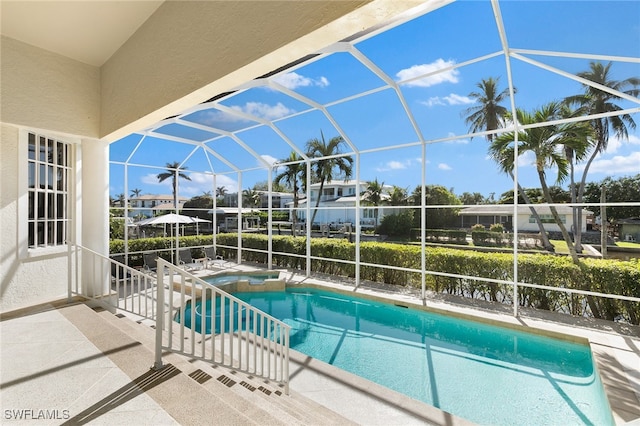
(548,145)
(596,101)
(250,197)
(292,177)
(324,167)
(489,114)
(136,192)
(173,172)
(221,191)
(398,196)
(373,196)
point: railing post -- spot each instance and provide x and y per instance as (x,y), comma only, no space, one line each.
(157,365)
(286,361)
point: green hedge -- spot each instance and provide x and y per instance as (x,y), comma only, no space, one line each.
(604,276)
(491,238)
(451,236)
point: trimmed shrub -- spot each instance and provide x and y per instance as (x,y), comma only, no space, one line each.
(600,275)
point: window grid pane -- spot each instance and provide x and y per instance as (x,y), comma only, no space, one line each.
(48,178)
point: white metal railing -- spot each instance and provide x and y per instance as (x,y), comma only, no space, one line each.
(101,278)
(198,320)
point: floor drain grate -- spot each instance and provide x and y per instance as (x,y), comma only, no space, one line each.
(264,390)
(278,393)
(199,376)
(120,315)
(226,381)
(248,386)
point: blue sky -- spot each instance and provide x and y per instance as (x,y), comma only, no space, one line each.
(445,38)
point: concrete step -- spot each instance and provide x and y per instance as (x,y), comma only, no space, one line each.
(244,391)
(187,401)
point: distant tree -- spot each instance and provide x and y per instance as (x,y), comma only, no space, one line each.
(398,196)
(468,198)
(221,191)
(292,176)
(437,218)
(596,101)
(119,200)
(136,192)
(199,206)
(264,186)
(621,190)
(173,173)
(489,114)
(324,168)
(250,198)
(373,196)
(397,225)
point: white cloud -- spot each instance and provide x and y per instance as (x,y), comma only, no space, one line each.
(394,165)
(452,99)
(450,76)
(269,159)
(444,166)
(616,165)
(457,141)
(615,143)
(294,80)
(266,111)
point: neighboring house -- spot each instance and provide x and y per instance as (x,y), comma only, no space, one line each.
(629,229)
(149,205)
(337,204)
(487,215)
(279,200)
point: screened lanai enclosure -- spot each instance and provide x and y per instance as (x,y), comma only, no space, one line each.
(358,160)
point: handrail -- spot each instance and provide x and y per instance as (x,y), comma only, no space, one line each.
(128,289)
(201,321)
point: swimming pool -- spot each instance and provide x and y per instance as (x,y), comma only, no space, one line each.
(489,375)
(486,374)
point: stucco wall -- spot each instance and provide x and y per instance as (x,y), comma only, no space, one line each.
(48,91)
(24,280)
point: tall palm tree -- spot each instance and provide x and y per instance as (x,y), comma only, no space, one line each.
(292,175)
(373,196)
(489,114)
(173,172)
(136,192)
(324,167)
(596,101)
(574,157)
(548,145)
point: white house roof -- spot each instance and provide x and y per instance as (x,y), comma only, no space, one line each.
(507,210)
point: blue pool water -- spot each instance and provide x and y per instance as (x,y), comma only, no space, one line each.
(489,375)
(229,278)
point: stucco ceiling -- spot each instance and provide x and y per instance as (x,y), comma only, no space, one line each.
(87,31)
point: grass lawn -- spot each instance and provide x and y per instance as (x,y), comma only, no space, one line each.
(628,244)
(560,246)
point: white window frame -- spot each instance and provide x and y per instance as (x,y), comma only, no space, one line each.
(66,218)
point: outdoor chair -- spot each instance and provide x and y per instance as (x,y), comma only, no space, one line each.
(211,258)
(186,260)
(150,262)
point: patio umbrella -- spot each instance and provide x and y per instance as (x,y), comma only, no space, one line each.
(169,218)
